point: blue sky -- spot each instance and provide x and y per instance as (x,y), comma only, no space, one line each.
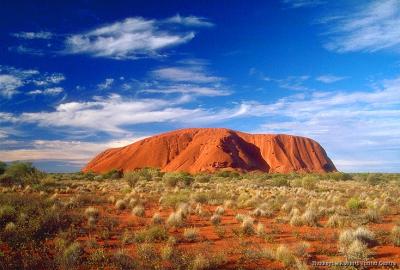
(81,76)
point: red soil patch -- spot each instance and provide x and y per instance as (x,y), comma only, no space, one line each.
(210,149)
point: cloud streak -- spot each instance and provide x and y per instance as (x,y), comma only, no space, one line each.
(134,37)
(78,152)
(372,27)
(47,91)
(328,78)
(33,35)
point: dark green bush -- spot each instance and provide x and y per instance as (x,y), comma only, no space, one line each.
(202,178)
(3,167)
(339,176)
(132,178)
(373,179)
(173,178)
(144,174)
(113,174)
(6,180)
(21,173)
(280,181)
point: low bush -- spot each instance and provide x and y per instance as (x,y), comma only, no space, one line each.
(131,178)
(173,178)
(154,233)
(71,256)
(138,211)
(175,219)
(285,255)
(191,234)
(21,173)
(157,219)
(202,178)
(248,226)
(354,204)
(174,199)
(395,235)
(215,219)
(309,182)
(3,167)
(148,256)
(113,174)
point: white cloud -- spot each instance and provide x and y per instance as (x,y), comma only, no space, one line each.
(33,35)
(78,152)
(303,3)
(189,89)
(47,91)
(295,83)
(184,74)
(329,78)
(106,84)
(9,85)
(190,21)
(358,126)
(190,77)
(131,38)
(106,114)
(115,113)
(22,49)
(372,27)
(47,79)
(13,79)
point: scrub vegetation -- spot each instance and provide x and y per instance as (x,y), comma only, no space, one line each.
(148,219)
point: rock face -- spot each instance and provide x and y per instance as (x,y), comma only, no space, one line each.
(210,149)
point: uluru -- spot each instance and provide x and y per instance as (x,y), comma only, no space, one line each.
(210,149)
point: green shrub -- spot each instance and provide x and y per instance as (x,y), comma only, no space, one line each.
(174,199)
(173,178)
(21,173)
(354,204)
(98,258)
(191,234)
(309,182)
(200,197)
(202,178)
(90,175)
(122,260)
(70,257)
(132,178)
(154,233)
(280,182)
(148,256)
(373,179)
(339,176)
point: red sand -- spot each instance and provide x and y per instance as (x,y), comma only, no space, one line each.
(210,149)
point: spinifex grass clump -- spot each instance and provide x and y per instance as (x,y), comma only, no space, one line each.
(354,243)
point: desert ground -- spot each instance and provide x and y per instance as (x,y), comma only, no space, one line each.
(152,220)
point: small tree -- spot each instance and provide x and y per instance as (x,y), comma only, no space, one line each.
(23,173)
